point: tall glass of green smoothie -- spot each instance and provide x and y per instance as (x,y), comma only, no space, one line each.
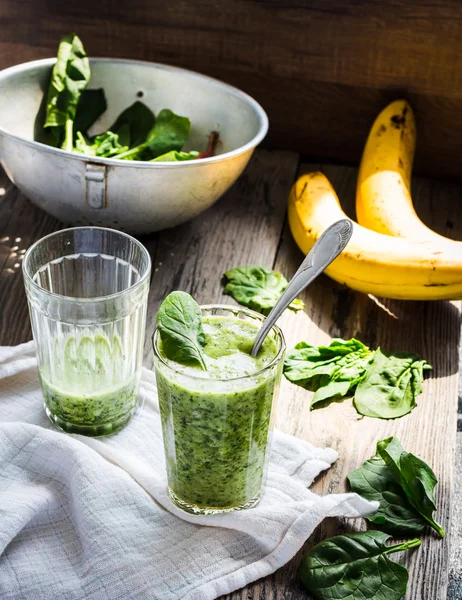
(87,290)
(217,418)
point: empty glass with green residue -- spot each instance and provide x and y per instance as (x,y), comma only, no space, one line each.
(87,290)
(216,425)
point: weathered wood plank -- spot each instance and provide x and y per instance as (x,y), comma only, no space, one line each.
(243,228)
(430,329)
(455,554)
(21,224)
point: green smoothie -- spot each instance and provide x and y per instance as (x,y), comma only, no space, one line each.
(84,389)
(216,422)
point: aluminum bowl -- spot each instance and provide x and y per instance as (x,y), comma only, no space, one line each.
(138,197)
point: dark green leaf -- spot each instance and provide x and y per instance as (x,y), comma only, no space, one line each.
(91,106)
(179,320)
(175,156)
(70,76)
(390,385)
(331,371)
(396,515)
(258,288)
(355,567)
(134,124)
(414,476)
(170,132)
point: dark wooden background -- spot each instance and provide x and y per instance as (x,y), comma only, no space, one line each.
(322,69)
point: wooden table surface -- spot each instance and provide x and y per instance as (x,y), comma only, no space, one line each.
(248,227)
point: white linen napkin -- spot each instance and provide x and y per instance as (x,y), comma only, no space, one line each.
(90,518)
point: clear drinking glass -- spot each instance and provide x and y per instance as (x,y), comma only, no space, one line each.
(217,432)
(87,290)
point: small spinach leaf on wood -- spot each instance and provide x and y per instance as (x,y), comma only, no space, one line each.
(390,385)
(396,515)
(331,371)
(170,132)
(258,288)
(414,476)
(179,320)
(70,76)
(355,566)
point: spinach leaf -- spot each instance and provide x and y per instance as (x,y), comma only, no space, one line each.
(355,566)
(175,156)
(396,515)
(414,476)
(258,288)
(91,106)
(390,385)
(83,145)
(105,145)
(134,124)
(70,76)
(170,132)
(331,371)
(179,320)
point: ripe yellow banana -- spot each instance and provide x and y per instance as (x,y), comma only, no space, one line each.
(373,263)
(383,196)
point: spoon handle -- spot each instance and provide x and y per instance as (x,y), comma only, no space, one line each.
(331,243)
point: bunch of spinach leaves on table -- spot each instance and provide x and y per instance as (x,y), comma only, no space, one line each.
(136,134)
(383,384)
(356,566)
(404,486)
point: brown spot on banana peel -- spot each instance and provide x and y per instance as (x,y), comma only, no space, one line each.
(381,130)
(397,121)
(303,191)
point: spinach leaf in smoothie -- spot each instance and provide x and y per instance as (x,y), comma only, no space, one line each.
(258,288)
(70,76)
(170,132)
(331,371)
(414,476)
(390,385)
(179,320)
(354,566)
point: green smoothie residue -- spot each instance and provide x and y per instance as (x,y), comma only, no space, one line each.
(84,389)
(216,432)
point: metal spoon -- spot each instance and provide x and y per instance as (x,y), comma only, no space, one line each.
(331,243)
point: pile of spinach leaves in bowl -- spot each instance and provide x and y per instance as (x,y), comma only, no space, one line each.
(136,134)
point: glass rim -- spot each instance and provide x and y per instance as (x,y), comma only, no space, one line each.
(277,330)
(30,280)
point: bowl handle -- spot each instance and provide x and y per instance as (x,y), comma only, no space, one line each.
(95,185)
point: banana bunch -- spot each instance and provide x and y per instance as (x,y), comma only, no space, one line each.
(391,253)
